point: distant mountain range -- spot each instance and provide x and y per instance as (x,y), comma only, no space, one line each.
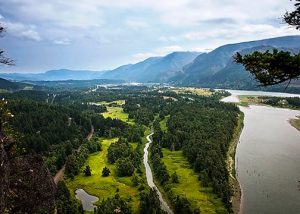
(153,69)
(54,75)
(215,69)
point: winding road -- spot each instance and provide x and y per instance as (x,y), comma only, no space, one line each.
(149,176)
(59,176)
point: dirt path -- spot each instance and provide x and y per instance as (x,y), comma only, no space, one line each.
(59,176)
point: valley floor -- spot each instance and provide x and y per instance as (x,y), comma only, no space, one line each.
(104,187)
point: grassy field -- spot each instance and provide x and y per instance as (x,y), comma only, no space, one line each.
(196,91)
(163,123)
(246,100)
(117,102)
(104,187)
(117,112)
(295,123)
(189,185)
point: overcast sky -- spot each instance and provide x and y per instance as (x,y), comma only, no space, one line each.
(102,34)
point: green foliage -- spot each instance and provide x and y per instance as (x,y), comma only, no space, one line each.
(159,167)
(124,167)
(143,109)
(293,18)
(174,178)
(105,172)
(181,205)
(78,157)
(64,203)
(271,68)
(125,157)
(279,66)
(150,202)
(119,150)
(203,132)
(114,205)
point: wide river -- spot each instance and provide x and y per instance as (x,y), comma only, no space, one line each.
(268,158)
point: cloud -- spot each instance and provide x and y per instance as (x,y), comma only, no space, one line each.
(64,41)
(136,24)
(18,29)
(157,52)
(112,31)
(236,32)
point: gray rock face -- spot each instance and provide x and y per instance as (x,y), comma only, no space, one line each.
(26,185)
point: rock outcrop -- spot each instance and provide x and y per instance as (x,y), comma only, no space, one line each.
(26,185)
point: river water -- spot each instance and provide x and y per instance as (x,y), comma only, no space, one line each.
(149,176)
(268,159)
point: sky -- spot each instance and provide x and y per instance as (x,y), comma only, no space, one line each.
(103,34)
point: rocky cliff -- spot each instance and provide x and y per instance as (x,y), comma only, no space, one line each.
(26,185)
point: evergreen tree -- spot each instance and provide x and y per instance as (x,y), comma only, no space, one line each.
(271,68)
(87,171)
(105,172)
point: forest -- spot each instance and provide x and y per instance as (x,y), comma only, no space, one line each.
(199,126)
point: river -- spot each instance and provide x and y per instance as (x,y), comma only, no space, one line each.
(149,176)
(268,158)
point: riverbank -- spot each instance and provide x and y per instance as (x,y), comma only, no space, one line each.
(233,182)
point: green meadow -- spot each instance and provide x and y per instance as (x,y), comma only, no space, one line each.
(117,112)
(104,187)
(163,123)
(189,185)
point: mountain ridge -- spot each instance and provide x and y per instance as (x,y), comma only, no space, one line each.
(213,69)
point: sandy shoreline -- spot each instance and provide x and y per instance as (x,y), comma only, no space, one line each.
(233,182)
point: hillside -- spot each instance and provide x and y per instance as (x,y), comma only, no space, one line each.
(217,68)
(153,69)
(11,86)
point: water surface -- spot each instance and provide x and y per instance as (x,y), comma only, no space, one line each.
(149,176)
(87,200)
(235,93)
(268,158)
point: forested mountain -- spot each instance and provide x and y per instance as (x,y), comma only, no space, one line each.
(153,69)
(234,76)
(11,86)
(217,68)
